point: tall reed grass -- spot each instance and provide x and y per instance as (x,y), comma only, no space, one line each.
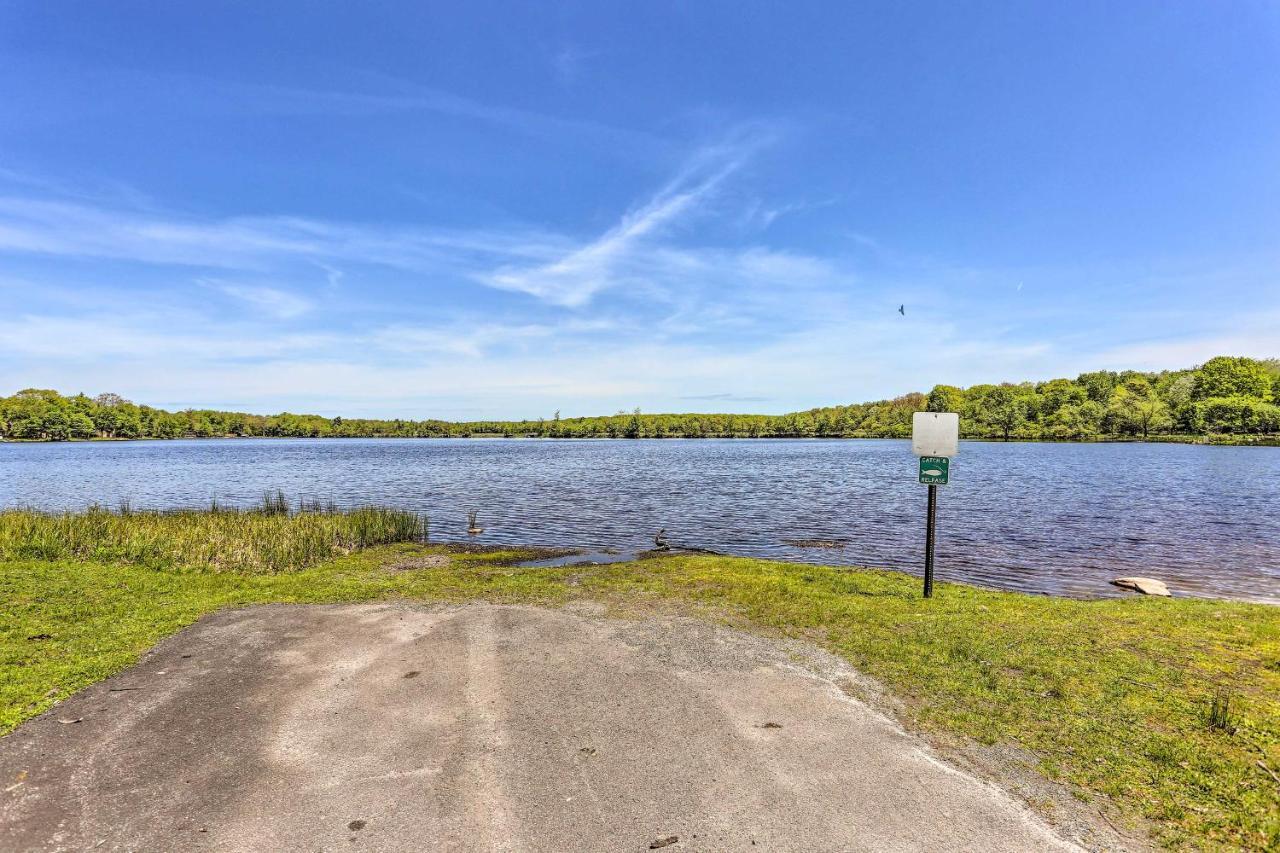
(266,539)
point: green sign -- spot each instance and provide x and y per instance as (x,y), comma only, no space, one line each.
(934,470)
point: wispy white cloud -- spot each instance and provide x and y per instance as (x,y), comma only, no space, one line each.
(387,93)
(617,257)
(459,339)
(257,244)
(98,190)
(364,93)
(333,275)
(606,262)
(759,214)
(184,333)
(80,230)
(270,301)
(76,340)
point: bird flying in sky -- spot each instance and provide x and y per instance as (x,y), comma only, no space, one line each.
(902,309)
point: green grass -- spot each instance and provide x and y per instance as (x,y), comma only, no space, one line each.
(1171,708)
(267,539)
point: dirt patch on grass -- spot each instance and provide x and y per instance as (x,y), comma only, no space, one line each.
(411,564)
(519,553)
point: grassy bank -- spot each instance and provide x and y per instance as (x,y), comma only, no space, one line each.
(1169,708)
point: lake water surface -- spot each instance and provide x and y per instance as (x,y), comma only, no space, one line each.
(1054,518)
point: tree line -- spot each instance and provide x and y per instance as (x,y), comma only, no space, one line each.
(1224,396)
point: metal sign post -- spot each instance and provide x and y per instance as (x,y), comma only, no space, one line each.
(935,438)
(928,541)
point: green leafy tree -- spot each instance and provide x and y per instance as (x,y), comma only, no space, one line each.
(1177,387)
(1057,393)
(1098,384)
(1144,414)
(1272,367)
(1006,410)
(79,425)
(945,398)
(1081,420)
(1241,415)
(1228,376)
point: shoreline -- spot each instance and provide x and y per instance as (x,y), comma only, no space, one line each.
(570,556)
(562,556)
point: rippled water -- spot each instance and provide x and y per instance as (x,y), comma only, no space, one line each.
(1056,518)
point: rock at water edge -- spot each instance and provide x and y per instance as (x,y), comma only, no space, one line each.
(1146,586)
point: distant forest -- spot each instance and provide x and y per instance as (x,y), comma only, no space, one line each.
(1226,396)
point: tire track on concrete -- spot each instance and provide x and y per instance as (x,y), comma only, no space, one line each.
(489,813)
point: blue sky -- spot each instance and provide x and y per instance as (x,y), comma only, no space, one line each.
(507,209)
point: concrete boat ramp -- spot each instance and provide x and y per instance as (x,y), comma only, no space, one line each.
(480,727)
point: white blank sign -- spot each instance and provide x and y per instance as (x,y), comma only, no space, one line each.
(935,433)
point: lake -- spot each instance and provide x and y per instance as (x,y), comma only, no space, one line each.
(1048,518)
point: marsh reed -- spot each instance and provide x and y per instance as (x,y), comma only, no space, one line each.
(266,539)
